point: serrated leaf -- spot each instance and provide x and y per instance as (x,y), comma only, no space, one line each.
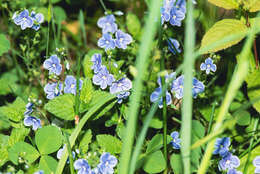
(219,31)
(87,91)
(227,4)
(4,44)
(109,143)
(251,168)
(154,163)
(253,88)
(48,164)
(84,142)
(18,134)
(48,139)
(8,83)
(62,106)
(14,111)
(3,149)
(133,24)
(23,150)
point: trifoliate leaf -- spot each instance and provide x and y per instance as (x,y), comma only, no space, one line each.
(176,163)
(155,163)
(221,30)
(109,143)
(227,4)
(48,164)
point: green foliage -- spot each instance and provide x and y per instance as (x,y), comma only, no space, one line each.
(156,143)
(133,24)
(48,139)
(176,163)
(4,44)
(253,88)
(252,5)
(154,163)
(243,118)
(18,134)
(14,111)
(227,4)
(222,29)
(85,141)
(55,1)
(8,83)
(3,149)
(48,164)
(23,150)
(59,14)
(87,90)
(62,106)
(156,123)
(109,143)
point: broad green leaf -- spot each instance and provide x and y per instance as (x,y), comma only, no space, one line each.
(48,139)
(227,4)
(253,88)
(59,14)
(3,149)
(55,1)
(251,168)
(154,163)
(18,134)
(62,106)
(8,83)
(84,142)
(176,163)
(87,91)
(14,111)
(48,164)
(133,24)
(156,123)
(220,30)
(156,143)
(23,150)
(109,143)
(243,118)
(4,44)
(252,5)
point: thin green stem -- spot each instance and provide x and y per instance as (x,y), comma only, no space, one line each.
(189,59)
(211,117)
(103,5)
(77,98)
(141,64)
(72,171)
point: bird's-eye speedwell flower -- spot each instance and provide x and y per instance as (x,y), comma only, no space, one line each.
(53,90)
(176,17)
(122,39)
(97,62)
(38,19)
(256,163)
(233,171)
(107,23)
(228,162)
(32,121)
(175,140)
(29,109)
(53,65)
(23,19)
(107,163)
(156,94)
(208,66)
(174,46)
(82,166)
(221,146)
(103,78)
(197,87)
(106,41)
(71,85)
(121,85)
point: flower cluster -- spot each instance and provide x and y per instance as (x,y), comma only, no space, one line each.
(25,20)
(208,66)
(30,120)
(55,89)
(105,166)
(109,27)
(103,78)
(256,163)
(229,162)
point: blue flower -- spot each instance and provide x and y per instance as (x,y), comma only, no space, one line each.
(177,87)
(155,96)
(107,163)
(82,166)
(168,4)
(165,15)
(53,90)
(122,39)
(60,153)
(121,85)
(197,88)
(176,16)
(71,85)
(38,19)
(107,23)
(53,65)
(181,5)
(228,162)
(221,146)
(167,78)
(173,45)
(233,171)
(256,163)
(121,96)
(32,121)
(23,19)
(175,140)
(103,78)
(208,66)
(107,42)
(96,59)
(29,109)
(39,172)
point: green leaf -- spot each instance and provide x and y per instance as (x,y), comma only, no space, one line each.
(156,123)
(176,163)
(220,30)
(48,139)
(253,88)
(109,143)
(48,164)
(62,106)
(251,168)
(8,83)
(156,143)
(59,14)
(4,44)
(86,139)
(23,150)
(154,163)
(14,111)
(243,118)
(87,91)
(18,134)
(3,149)
(55,1)
(252,5)
(227,4)
(133,24)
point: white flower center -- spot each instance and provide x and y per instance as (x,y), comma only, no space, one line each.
(208,65)
(54,65)
(72,86)
(174,17)
(104,77)
(119,84)
(24,19)
(121,39)
(107,42)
